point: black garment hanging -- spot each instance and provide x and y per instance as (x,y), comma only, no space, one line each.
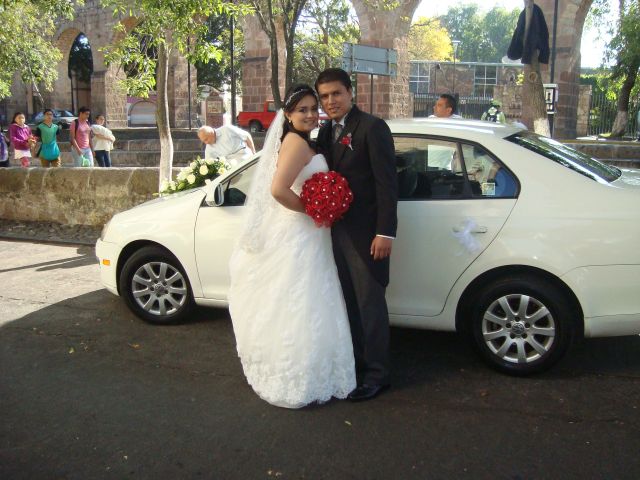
(538,38)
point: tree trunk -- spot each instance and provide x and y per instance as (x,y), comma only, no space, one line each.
(622,117)
(162,116)
(275,77)
(534,108)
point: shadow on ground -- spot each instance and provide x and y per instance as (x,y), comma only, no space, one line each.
(90,391)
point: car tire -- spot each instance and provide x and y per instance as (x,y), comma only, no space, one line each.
(255,126)
(155,286)
(521,325)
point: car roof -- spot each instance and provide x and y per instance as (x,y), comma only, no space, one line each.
(448,127)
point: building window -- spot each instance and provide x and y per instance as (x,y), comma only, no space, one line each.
(485,79)
(419,78)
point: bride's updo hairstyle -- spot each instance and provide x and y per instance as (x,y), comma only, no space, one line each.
(293,97)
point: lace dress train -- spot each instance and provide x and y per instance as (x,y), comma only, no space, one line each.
(288,311)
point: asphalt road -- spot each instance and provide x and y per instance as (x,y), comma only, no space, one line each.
(88,391)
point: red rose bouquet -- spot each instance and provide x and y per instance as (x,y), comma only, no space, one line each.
(326,197)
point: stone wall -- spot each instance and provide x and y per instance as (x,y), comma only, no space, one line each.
(72,196)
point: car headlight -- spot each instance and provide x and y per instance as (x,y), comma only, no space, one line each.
(103,233)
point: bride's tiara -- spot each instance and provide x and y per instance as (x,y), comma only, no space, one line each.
(297,95)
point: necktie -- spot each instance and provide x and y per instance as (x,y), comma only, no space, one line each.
(337,130)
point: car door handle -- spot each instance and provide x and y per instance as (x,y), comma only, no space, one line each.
(475,229)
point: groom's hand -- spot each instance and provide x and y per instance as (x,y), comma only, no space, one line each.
(381,247)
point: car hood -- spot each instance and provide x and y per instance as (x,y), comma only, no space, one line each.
(630,178)
(170,198)
(165,208)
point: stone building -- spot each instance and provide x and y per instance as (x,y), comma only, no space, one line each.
(465,78)
(388,29)
(379,28)
(101,94)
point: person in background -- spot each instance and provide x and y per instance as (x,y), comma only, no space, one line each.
(228,141)
(47,131)
(22,138)
(493,113)
(103,141)
(80,138)
(445,107)
(4,150)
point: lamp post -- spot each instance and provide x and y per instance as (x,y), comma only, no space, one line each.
(455,51)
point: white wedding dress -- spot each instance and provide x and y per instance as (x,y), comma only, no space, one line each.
(288,312)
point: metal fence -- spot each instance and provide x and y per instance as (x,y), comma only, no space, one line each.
(602,113)
(468,107)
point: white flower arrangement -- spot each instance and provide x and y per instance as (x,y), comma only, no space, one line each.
(195,174)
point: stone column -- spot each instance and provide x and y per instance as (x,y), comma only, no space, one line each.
(178,91)
(108,97)
(386,29)
(256,67)
(571,17)
(584,102)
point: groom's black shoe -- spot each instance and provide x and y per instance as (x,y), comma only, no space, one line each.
(366,392)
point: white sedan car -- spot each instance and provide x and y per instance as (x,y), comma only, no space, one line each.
(514,239)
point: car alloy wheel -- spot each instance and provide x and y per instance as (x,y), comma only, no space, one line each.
(155,286)
(518,328)
(522,324)
(158,288)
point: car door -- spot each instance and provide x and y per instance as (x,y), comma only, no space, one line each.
(216,231)
(448,213)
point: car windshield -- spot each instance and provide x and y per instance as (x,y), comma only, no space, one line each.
(566,156)
(65,113)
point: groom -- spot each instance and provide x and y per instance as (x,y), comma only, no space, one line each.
(359,146)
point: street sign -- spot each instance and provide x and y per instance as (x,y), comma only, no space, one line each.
(370,60)
(551,97)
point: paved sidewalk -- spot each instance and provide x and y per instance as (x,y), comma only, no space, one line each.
(49,232)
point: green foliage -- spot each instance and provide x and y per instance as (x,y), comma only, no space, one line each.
(218,73)
(26,28)
(174,24)
(624,47)
(602,83)
(484,37)
(428,40)
(322,29)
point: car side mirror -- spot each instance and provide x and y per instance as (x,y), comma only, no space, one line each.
(215,194)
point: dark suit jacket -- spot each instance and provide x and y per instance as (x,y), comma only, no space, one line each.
(370,168)
(538,38)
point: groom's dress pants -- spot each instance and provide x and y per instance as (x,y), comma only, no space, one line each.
(367,310)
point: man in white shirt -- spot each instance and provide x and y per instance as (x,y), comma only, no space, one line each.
(445,107)
(228,141)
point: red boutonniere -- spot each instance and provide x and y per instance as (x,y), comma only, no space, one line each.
(346,141)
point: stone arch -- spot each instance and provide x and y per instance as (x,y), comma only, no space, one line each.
(61,97)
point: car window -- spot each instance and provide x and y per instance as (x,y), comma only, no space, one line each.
(428,169)
(487,176)
(566,156)
(236,188)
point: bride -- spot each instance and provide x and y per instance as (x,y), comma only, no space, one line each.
(286,304)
